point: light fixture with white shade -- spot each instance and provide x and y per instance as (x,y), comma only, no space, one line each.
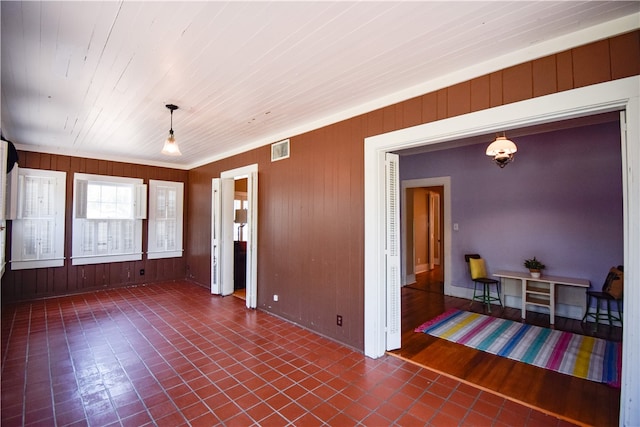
(502,150)
(240,218)
(170,145)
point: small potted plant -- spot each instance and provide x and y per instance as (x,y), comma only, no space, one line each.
(534,266)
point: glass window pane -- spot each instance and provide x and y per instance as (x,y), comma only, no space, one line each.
(108,194)
(93,192)
(105,201)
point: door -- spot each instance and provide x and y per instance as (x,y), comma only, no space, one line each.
(251,173)
(222,191)
(392,219)
(252,241)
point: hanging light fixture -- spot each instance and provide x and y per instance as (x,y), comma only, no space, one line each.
(502,150)
(170,145)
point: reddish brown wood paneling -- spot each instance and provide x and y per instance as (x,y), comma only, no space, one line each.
(517,83)
(389,118)
(495,80)
(373,123)
(564,70)
(591,64)
(459,99)
(480,93)
(443,108)
(625,55)
(411,113)
(545,80)
(45,161)
(45,282)
(429,107)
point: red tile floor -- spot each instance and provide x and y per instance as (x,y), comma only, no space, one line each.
(173,355)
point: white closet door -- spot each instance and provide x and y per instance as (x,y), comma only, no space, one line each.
(216,227)
(252,239)
(222,236)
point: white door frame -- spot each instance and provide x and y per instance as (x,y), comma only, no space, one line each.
(435,224)
(621,94)
(251,173)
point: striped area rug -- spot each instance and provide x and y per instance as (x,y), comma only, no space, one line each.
(585,357)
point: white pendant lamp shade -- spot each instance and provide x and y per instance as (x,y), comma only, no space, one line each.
(502,151)
(170,147)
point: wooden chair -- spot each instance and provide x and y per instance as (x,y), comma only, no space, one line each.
(478,272)
(606,294)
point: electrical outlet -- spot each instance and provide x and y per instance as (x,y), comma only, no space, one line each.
(142,271)
(339,320)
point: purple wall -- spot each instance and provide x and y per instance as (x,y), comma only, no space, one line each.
(560,200)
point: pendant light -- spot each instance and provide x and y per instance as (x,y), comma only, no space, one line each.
(170,145)
(502,150)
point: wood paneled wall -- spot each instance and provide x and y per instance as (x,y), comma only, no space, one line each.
(311,205)
(46,282)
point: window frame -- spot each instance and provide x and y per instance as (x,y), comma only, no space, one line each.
(80,224)
(57,258)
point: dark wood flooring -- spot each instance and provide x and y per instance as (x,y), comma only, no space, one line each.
(580,401)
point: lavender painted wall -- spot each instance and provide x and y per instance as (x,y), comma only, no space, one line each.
(560,200)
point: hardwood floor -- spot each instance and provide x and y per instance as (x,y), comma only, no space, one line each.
(581,401)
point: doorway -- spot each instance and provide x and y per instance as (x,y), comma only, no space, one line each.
(620,94)
(423,252)
(425,220)
(240,221)
(235,226)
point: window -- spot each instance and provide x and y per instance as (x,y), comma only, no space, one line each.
(165,219)
(38,223)
(107,219)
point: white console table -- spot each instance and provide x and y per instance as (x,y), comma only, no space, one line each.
(541,291)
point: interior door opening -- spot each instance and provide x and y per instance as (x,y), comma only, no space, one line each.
(240,221)
(619,94)
(235,233)
(425,227)
(424,237)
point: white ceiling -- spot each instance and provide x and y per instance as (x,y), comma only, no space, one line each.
(92,78)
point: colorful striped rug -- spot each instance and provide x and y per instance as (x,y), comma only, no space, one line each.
(586,357)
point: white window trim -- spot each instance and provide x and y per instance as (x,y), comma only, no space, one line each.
(139,213)
(57,258)
(153,251)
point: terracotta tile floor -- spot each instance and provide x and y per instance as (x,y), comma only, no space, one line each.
(172,355)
